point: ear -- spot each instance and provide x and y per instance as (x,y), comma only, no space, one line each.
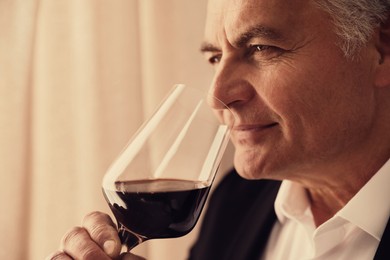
(383,47)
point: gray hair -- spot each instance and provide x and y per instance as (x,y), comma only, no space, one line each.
(355,20)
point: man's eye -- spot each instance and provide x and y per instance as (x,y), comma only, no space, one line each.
(265,51)
(215,59)
(259,48)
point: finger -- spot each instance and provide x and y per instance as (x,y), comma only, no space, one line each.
(78,245)
(58,255)
(130,256)
(103,231)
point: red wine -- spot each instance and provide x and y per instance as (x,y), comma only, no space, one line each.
(164,208)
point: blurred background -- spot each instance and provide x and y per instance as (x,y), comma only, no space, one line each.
(77,78)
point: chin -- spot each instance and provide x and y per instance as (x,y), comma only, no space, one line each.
(253,166)
(247,169)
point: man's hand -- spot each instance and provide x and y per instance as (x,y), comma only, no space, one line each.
(96,239)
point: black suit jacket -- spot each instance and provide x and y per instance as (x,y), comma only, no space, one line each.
(239,220)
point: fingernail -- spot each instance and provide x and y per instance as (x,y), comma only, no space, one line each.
(109,247)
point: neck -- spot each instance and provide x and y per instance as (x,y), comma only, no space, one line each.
(327,198)
(325,203)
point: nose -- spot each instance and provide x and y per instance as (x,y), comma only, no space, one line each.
(230,86)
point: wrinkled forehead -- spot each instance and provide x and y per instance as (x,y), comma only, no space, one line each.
(228,17)
(222,13)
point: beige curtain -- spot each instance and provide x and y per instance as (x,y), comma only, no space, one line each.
(76,80)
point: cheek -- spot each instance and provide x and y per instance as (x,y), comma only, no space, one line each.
(323,114)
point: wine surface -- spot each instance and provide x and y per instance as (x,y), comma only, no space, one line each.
(163,208)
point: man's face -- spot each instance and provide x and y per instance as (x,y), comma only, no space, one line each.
(300,105)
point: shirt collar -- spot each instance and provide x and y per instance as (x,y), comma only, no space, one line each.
(369,209)
(291,201)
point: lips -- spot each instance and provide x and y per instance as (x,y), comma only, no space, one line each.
(255,127)
(252,133)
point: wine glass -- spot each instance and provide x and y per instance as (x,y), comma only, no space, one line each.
(158,185)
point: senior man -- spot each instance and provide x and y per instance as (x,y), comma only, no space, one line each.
(309,83)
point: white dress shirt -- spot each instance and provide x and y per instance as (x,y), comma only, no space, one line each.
(354,232)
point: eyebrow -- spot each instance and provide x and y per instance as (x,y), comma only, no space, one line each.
(208,47)
(258,31)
